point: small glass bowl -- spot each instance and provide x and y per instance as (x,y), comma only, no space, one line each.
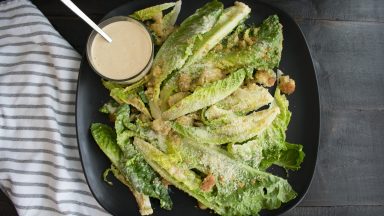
(130,79)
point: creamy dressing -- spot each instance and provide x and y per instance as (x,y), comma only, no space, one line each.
(127,55)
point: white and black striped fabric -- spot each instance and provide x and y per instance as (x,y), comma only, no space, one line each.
(40,168)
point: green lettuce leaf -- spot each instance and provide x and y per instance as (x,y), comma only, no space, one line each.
(105,137)
(215,116)
(134,167)
(144,131)
(143,201)
(228,20)
(110,107)
(242,101)
(160,25)
(235,188)
(250,152)
(206,95)
(131,98)
(291,157)
(175,51)
(238,129)
(170,18)
(122,94)
(275,150)
(110,85)
(151,12)
(263,54)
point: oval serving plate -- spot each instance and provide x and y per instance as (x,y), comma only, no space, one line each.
(304,127)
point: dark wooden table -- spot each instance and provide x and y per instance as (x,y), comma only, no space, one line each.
(346,39)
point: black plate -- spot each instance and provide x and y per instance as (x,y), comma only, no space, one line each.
(304,127)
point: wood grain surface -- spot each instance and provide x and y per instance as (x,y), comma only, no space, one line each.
(346,39)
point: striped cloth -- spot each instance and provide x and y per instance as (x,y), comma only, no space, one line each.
(40,169)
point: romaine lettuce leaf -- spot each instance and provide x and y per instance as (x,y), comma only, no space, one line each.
(133,165)
(250,152)
(234,188)
(110,107)
(275,150)
(105,137)
(242,101)
(215,116)
(263,54)
(170,18)
(131,98)
(143,201)
(291,157)
(232,40)
(206,95)
(175,51)
(161,25)
(151,12)
(144,131)
(238,129)
(111,85)
(228,20)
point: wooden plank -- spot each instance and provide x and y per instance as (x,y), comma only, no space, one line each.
(350,164)
(352,10)
(348,57)
(336,211)
(356,10)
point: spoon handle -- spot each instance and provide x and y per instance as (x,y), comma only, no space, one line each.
(80,13)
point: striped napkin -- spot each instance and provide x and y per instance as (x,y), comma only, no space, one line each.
(40,168)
